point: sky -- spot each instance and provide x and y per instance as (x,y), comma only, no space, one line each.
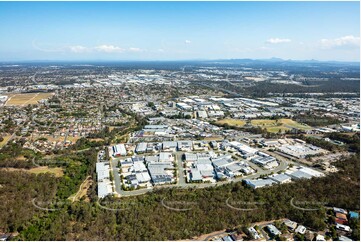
(179,30)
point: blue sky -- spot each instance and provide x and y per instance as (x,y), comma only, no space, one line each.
(179,30)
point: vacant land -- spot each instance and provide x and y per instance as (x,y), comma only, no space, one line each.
(96,139)
(23,99)
(263,122)
(282,125)
(215,137)
(72,139)
(232,122)
(83,190)
(57,171)
(50,138)
(6,138)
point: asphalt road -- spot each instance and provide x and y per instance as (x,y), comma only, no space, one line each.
(181,181)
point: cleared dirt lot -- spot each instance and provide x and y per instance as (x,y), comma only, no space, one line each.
(57,171)
(23,99)
(232,122)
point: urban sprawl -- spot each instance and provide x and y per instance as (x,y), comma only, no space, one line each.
(169,128)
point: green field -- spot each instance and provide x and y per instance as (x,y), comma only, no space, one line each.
(274,126)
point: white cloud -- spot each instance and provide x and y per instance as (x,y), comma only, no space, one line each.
(277,41)
(79,49)
(348,41)
(109,49)
(187,42)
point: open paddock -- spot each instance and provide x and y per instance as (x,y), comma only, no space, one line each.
(277,125)
(232,122)
(23,99)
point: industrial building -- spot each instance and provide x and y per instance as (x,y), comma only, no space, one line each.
(296,175)
(166,157)
(104,189)
(169,146)
(301,229)
(254,234)
(161,173)
(196,176)
(281,178)
(104,186)
(222,161)
(265,161)
(102,170)
(291,225)
(226,167)
(119,150)
(141,148)
(273,230)
(151,159)
(244,149)
(303,173)
(190,157)
(160,130)
(202,114)
(185,145)
(135,171)
(183,106)
(300,150)
(259,183)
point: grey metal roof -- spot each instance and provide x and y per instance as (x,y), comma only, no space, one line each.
(102,189)
(169,144)
(221,162)
(234,167)
(196,175)
(273,229)
(280,178)
(260,183)
(101,166)
(141,147)
(190,156)
(300,175)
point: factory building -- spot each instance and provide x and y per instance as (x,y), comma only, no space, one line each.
(259,183)
(141,148)
(119,150)
(281,178)
(185,145)
(104,186)
(265,161)
(169,146)
(161,173)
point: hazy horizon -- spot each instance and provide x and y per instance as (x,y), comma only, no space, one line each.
(272,59)
(159,31)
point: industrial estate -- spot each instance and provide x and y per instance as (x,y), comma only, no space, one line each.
(107,134)
(180,121)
